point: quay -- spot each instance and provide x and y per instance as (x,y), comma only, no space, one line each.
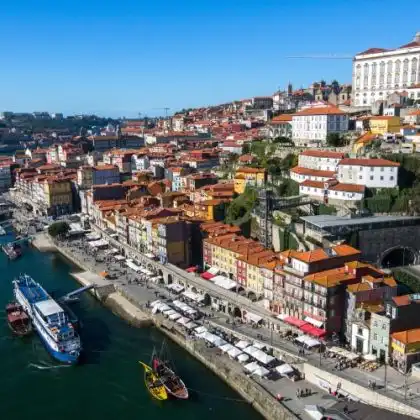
(130,303)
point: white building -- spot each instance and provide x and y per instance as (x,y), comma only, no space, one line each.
(316,122)
(322,160)
(332,192)
(360,336)
(299,174)
(372,173)
(378,72)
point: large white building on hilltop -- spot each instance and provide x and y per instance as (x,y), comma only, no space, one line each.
(313,124)
(379,72)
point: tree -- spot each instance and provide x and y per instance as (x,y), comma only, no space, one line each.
(335,140)
(246,148)
(58,229)
(335,86)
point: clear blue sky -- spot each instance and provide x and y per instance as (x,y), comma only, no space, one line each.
(122,57)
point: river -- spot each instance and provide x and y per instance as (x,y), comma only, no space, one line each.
(108,384)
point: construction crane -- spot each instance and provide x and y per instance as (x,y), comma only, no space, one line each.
(321,57)
(166,109)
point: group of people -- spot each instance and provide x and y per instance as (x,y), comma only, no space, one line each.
(300,393)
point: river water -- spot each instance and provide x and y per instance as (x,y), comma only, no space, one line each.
(108,384)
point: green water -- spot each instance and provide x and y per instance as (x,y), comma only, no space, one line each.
(108,384)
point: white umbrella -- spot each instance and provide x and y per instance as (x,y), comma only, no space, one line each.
(242,344)
(174,316)
(243,357)
(183,321)
(218,341)
(169,312)
(251,367)
(191,325)
(251,350)
(156,302)
(262,357)
(284,369)
(258,345)
(226,347)
(315,412)
(200,329)
(234,352)
(261,371)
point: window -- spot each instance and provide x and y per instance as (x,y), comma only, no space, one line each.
(382,169)
(372,169)
(371,177)
(382,178)
(375,337)
(359,331)
(360,176)
(391,178)
(375,323)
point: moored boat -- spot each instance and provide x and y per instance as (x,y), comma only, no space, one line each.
(172,382)
(17,319)
(13,251)
(154,384)
(49,319)
(2,231)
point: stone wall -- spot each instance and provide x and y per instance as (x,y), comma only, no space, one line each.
(260,399)
(324,379)
(374,243)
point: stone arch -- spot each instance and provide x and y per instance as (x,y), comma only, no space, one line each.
(207,299)
(194,289)
(252,296)
(237,312)
(170,279)
(398,256)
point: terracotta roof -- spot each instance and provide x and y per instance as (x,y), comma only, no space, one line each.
(320,110)
(337,187)
(320,254)
(105,167)
(282,118)
(408,336)
(359,287)
(402,300)
(366,138)
(312,172)
(412,44)
(323,154)
(416,112)
(249,170)
(330,278)
(368,162)
(382,117)
(246,158)
(372,51)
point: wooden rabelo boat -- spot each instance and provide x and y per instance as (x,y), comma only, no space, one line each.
(154,384)
(18,320)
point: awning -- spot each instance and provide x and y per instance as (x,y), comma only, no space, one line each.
(207,276)
(262,357)
(253,318)
(191,269)
(234,352)
(119,258)
(261,371)
(149,256)
(224,282)
(307,328)
(258,345)
(251,367)
(284,369)
(191,325)
(296,322)
(214,270)
(200,330)
(169,312)
(174,316)
(242,344)
(176,287)
(317,332)
(226,347)
(251,350)
(282,316)
(314,322)
(243,357)
(101,243)
(183,321)
(193,296)
(132,265)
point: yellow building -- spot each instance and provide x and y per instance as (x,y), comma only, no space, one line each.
(362,142)
(255,177)
(384,124)
(406,348)
(58,196)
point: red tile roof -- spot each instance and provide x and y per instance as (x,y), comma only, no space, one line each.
(312,172)
(337,187)
(320,110)
(373,51)
(323,154)
(368,162)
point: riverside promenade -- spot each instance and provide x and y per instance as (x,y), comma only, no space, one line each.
(138,295)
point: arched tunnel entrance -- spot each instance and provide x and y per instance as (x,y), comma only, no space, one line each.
(398,256)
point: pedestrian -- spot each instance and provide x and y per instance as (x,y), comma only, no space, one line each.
(346,409)
(298,393)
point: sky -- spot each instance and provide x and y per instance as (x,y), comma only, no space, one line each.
(121,58)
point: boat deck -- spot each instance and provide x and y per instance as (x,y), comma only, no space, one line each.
(33,293)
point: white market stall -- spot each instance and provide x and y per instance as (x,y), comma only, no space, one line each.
(261,371)
(234,352)
(242,344)
(252,367)
(284,369)
(242,358)
(262,357)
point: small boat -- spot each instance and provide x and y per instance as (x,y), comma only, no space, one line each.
(13,251)
(2,231)
(171,381)
(18,320)
(154,384)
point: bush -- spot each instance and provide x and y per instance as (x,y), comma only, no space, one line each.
(406,279)
(288,188)
(58,229)
(335,140)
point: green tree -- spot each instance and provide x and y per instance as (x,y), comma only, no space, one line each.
(335,140)
(58,229)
